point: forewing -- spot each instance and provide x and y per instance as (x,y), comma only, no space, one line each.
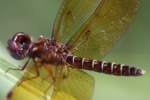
(71,15)
(98,34)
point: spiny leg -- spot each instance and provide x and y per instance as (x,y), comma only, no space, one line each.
(57,74)
(64,71)
(23,79)
(37,74)
(53,77)
(20,68)
(50,72)
(61,71)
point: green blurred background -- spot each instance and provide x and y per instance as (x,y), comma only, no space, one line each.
(36,17)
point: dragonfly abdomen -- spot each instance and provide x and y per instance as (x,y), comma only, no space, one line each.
(104,66)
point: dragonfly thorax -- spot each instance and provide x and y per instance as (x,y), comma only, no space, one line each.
(48,51)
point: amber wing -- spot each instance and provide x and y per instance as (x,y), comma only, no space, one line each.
(71,15)
(72,87)
(75,85)
(92,35)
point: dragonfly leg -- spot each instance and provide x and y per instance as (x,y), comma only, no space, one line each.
(20,68)
(64,71)
(50,88)
(50,73)
(37,74)
(61,72)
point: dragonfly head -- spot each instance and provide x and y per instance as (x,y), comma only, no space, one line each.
(19,45)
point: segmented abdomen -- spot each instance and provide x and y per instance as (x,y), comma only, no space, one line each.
(103,66)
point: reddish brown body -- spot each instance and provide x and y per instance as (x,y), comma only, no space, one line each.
(50,52)
(103,66)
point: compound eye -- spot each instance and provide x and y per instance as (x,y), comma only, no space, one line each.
(19,45)
(22,40)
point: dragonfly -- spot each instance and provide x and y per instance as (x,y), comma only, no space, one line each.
(84,31)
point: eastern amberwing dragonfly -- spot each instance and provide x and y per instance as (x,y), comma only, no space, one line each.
(84,30)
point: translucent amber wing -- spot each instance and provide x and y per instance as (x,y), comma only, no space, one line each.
(97,35)
(32,89)
(77,84)
(71,15)
(70,88)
